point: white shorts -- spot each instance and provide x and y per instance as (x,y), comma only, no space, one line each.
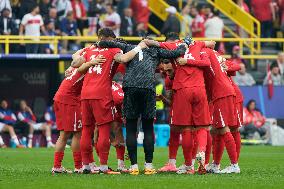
(2,126)
(37,126)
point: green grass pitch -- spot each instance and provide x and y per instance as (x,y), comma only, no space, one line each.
(261,167)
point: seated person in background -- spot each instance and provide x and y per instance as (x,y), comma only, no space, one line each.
(7,119)
(243,78)
(27,116)
(275,75)
(49,117)
(253,120)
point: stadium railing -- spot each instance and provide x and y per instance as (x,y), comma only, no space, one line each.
(15,39)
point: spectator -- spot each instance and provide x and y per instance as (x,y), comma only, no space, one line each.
(128,24)
(26,7)
(16,9)
(32,24)
(27,116)
(172,24)
(186,22)
(69,28)
(253,120)
(111,20)
(52,16)
(243,78)
(63,7)
(214,26)
(263,10)
(141,30)
(275,75)
(280,62)
(197,25)
(96,8)
(5,4)
(44,7)
(7,25)
(50,31)
(79,13)
(141,13)
(235,55)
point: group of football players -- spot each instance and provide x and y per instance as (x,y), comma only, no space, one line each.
(205,107)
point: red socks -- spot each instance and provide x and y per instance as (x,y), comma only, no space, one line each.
(120,150)
(230,147)
(86,145)
(218,148)
(201,135)
(173,144)
(77,160)
(103,143)
(187,144)
(208,147)
(237,138)
(58,157)
(195,144)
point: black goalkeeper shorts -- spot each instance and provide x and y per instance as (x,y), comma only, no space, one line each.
(138,101)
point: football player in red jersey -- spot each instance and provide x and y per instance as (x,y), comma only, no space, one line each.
(170,166)
(67,100)
(223,96)
(190,109)
(232,68)
(97,100)
(118,141)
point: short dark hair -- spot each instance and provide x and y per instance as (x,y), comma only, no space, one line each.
(172,36)
(249,103)
(106,32)
(273,65)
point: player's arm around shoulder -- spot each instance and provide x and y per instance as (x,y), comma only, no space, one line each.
(97,61)
(124,58)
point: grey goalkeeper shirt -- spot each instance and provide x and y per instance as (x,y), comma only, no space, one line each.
(141,73)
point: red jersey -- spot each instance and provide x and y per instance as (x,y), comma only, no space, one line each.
(141,11)
(98,79)
(254,117)
(190,76)
(168,83)
(198,22)
(217,83)
(70,89)
(117,93)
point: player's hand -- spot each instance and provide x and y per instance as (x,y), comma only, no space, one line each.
(69,71)
(143,45)
(159,97)
(98,60)
(182,61)
(150,42)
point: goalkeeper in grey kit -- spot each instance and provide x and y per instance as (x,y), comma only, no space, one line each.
(140,97)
